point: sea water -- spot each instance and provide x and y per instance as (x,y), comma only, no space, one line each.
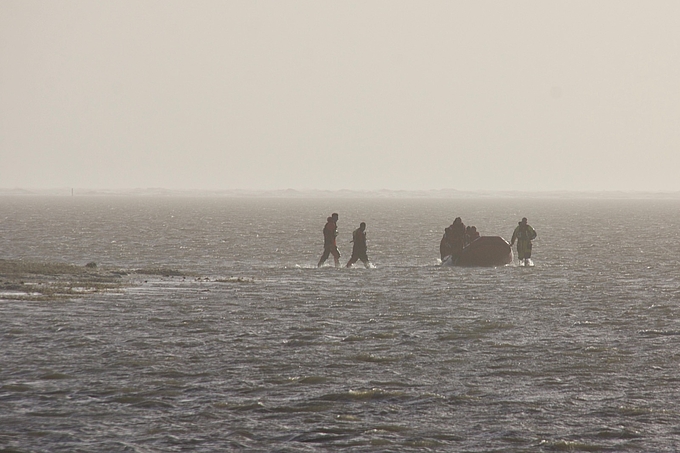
(247,346)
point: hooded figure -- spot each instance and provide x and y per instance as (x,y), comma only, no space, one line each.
(457,237)
(445,248)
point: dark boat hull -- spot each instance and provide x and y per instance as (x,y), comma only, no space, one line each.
(486,251)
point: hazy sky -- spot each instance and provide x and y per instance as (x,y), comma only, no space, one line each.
(320,94)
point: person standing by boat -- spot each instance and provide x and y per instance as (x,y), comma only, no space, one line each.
(523,234)
(457,238)
(359,249)
(445,247)
(330,232)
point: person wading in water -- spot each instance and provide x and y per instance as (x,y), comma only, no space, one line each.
(523,234)
(457,238)
(360,248)
(330,232)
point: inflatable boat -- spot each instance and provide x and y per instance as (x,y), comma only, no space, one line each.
(486,251)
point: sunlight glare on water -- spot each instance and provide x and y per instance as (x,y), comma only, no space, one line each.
(248,346)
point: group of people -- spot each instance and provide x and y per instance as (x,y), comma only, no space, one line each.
(456,237)
(330,246)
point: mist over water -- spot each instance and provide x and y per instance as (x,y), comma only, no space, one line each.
(249,346)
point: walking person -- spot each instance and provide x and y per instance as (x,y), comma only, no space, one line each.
(359,249)
(523,234)
(330,233)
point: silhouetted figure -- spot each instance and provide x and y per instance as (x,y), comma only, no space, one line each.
(457,230)
(453,241)
(472,234)
(330,232)
(359,249)
(523,234)
(445,247)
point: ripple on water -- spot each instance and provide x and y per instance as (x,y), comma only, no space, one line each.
(248,352)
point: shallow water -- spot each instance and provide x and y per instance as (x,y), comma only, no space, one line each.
(255,349)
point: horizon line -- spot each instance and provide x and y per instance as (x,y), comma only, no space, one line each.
(329,193)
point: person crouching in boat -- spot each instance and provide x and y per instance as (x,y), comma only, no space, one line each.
(523,234)
(359,249)
(472,234)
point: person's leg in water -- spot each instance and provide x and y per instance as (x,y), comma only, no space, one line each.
(520,253)
(359,256)
(324,257)
(527,253)
(363,256)
(336,255)
(524,252)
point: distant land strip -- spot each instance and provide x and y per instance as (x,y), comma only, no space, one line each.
(343,193)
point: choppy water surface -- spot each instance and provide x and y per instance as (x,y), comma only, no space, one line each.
(579,353)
